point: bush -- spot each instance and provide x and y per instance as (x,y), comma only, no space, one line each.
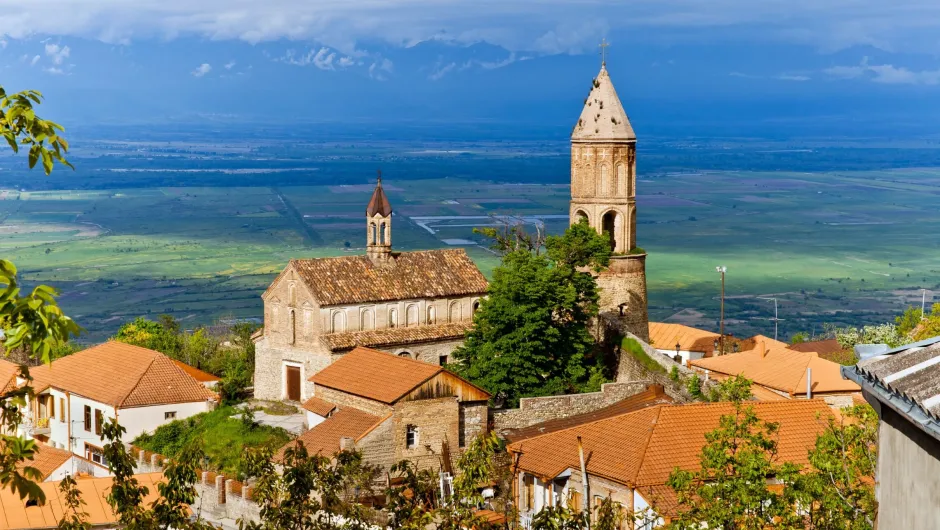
(631,346)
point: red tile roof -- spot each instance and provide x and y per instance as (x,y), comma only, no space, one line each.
(196,373)
(324,437)
(378,338)
(47,459)
(379,204)
(121,375)
(665,336)
(318,406)
(407,276)
(377,375)
(8,373)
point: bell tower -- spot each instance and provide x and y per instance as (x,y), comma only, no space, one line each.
(603,191)
(379,224)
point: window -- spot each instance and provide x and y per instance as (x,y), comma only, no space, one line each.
(87,418)
(169,415)
(99,421)
(411,436)
(392,318)
(431,315)
(442,360)
(95,454)
(406,355)
(61,409)
(529,482)
(574,500)
(52,406)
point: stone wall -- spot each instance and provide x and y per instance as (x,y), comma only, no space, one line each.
(342,399)
(223,501)
(624,282)
(437,423)
(270,360)
(472,422)
(539,409)
(429,352)
(630,369)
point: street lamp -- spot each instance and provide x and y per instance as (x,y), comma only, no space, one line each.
(721,332)
(678,348)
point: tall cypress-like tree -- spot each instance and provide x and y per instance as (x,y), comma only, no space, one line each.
(530,336)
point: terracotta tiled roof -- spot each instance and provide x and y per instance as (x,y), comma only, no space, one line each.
(752,342)
(15,514)
(47,459)
(664,336)
(375,375)
(781,369)
(407,275)
(379,204)
(318,406)
(196,373)
(8,372)
(377,338)
(121,375)
(828,349)
(653,395)
(324,437)
(641,448)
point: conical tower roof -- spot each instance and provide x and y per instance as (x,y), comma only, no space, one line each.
(603,117)
(379,204)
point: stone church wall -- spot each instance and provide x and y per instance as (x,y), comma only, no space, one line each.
(624,282)
(269,368)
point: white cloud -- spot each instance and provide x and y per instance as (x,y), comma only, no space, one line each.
(885,73)
(35,60)
(229,65)
(202,70)
(322,58)
(346,61)
(792,77)
(56,53)
(556,26)
(379,66)
(3,44)
(55,70)
(441,70)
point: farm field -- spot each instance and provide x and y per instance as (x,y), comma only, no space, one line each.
(832,246)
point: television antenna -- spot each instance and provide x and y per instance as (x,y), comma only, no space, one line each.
(775,319)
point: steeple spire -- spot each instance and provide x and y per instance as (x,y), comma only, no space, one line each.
(603,46)
(379,224)
(379,204)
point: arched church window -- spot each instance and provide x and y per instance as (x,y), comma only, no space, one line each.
(339,322)
(432,316)
(580,215)
(476,306)
(405,354)
(382,235)
(291,296)
(411,315)
(605,181)
(455,313)
(368,319)
(292,332)
(373,235)
(621,180)
(610,225)
(392,318)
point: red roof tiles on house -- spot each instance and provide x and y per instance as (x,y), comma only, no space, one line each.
(318,406)
(324,438)
(196,373)
(378,338)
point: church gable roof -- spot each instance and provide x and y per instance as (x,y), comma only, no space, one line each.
(603,117)
(407,275)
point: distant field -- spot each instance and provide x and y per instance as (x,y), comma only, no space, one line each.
(844,247)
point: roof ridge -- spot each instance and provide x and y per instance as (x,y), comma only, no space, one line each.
(372,427)
(646,446)
(139,379)
(580,425)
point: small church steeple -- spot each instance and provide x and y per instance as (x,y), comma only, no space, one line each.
(379,224)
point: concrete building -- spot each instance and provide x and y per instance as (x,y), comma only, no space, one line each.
(140,388)
(603,192)
(903,385)
(414,304)
(631,449)
(393,408)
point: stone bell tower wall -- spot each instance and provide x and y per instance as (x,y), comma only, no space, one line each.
(624,282)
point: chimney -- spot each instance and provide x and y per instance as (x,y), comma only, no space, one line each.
(346,443)
(809,383)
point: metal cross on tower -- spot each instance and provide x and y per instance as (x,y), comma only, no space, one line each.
(603,46)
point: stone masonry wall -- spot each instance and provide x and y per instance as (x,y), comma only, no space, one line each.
(269,368)
(539,409)
(342,399)
(437,423)
(473,421)
(378,446)
(630,369)
(624,282)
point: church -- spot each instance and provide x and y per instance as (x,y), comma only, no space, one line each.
(420,304)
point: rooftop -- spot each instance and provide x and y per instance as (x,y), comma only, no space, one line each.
(781,369)
(47,459)
(377,375)
(642,447)
(378,204)
(121,375)
(318,406)
(406,276)
(196,373)
(665,336)
(8,373)
(603,117)
(324,438)
(906,379)
(377,338)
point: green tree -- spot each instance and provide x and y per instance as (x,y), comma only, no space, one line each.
(909,320)
(799,338)
(21,127)
(560,517)
(476,468)
(530,336)
(74,516)
(153,335)
(736,388)
(411,502)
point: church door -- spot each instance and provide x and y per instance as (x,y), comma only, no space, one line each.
(293,383)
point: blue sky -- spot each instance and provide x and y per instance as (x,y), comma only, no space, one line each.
(673,61)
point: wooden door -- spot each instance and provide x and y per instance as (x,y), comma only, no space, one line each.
(293,383)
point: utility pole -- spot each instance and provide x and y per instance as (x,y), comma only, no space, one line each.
(923,305)
(721,332)
(775,319)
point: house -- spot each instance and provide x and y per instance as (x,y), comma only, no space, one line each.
(140,388)
(17,514)
(903,386)
(416,304)
(828,349)
(778,372)
(683,343)
(54,464)
(630,455)
(208,380)
(392,408)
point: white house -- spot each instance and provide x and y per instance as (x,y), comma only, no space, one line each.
(76,395)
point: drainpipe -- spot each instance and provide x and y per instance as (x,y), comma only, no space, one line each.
(586,493)
(809,383)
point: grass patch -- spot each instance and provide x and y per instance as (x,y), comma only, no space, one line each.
(632,347)
(276,408)
(223,435)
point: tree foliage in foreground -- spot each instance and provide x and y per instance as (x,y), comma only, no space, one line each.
(530,336)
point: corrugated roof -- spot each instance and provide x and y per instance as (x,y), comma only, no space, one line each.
(603,117)
(653,395)
(318,406)
(665,336)
(14,514)
(406,276)
(324,437)
(781,369)
(121,375)
(641,448)
(377,338)
(913,373)
(375,375)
